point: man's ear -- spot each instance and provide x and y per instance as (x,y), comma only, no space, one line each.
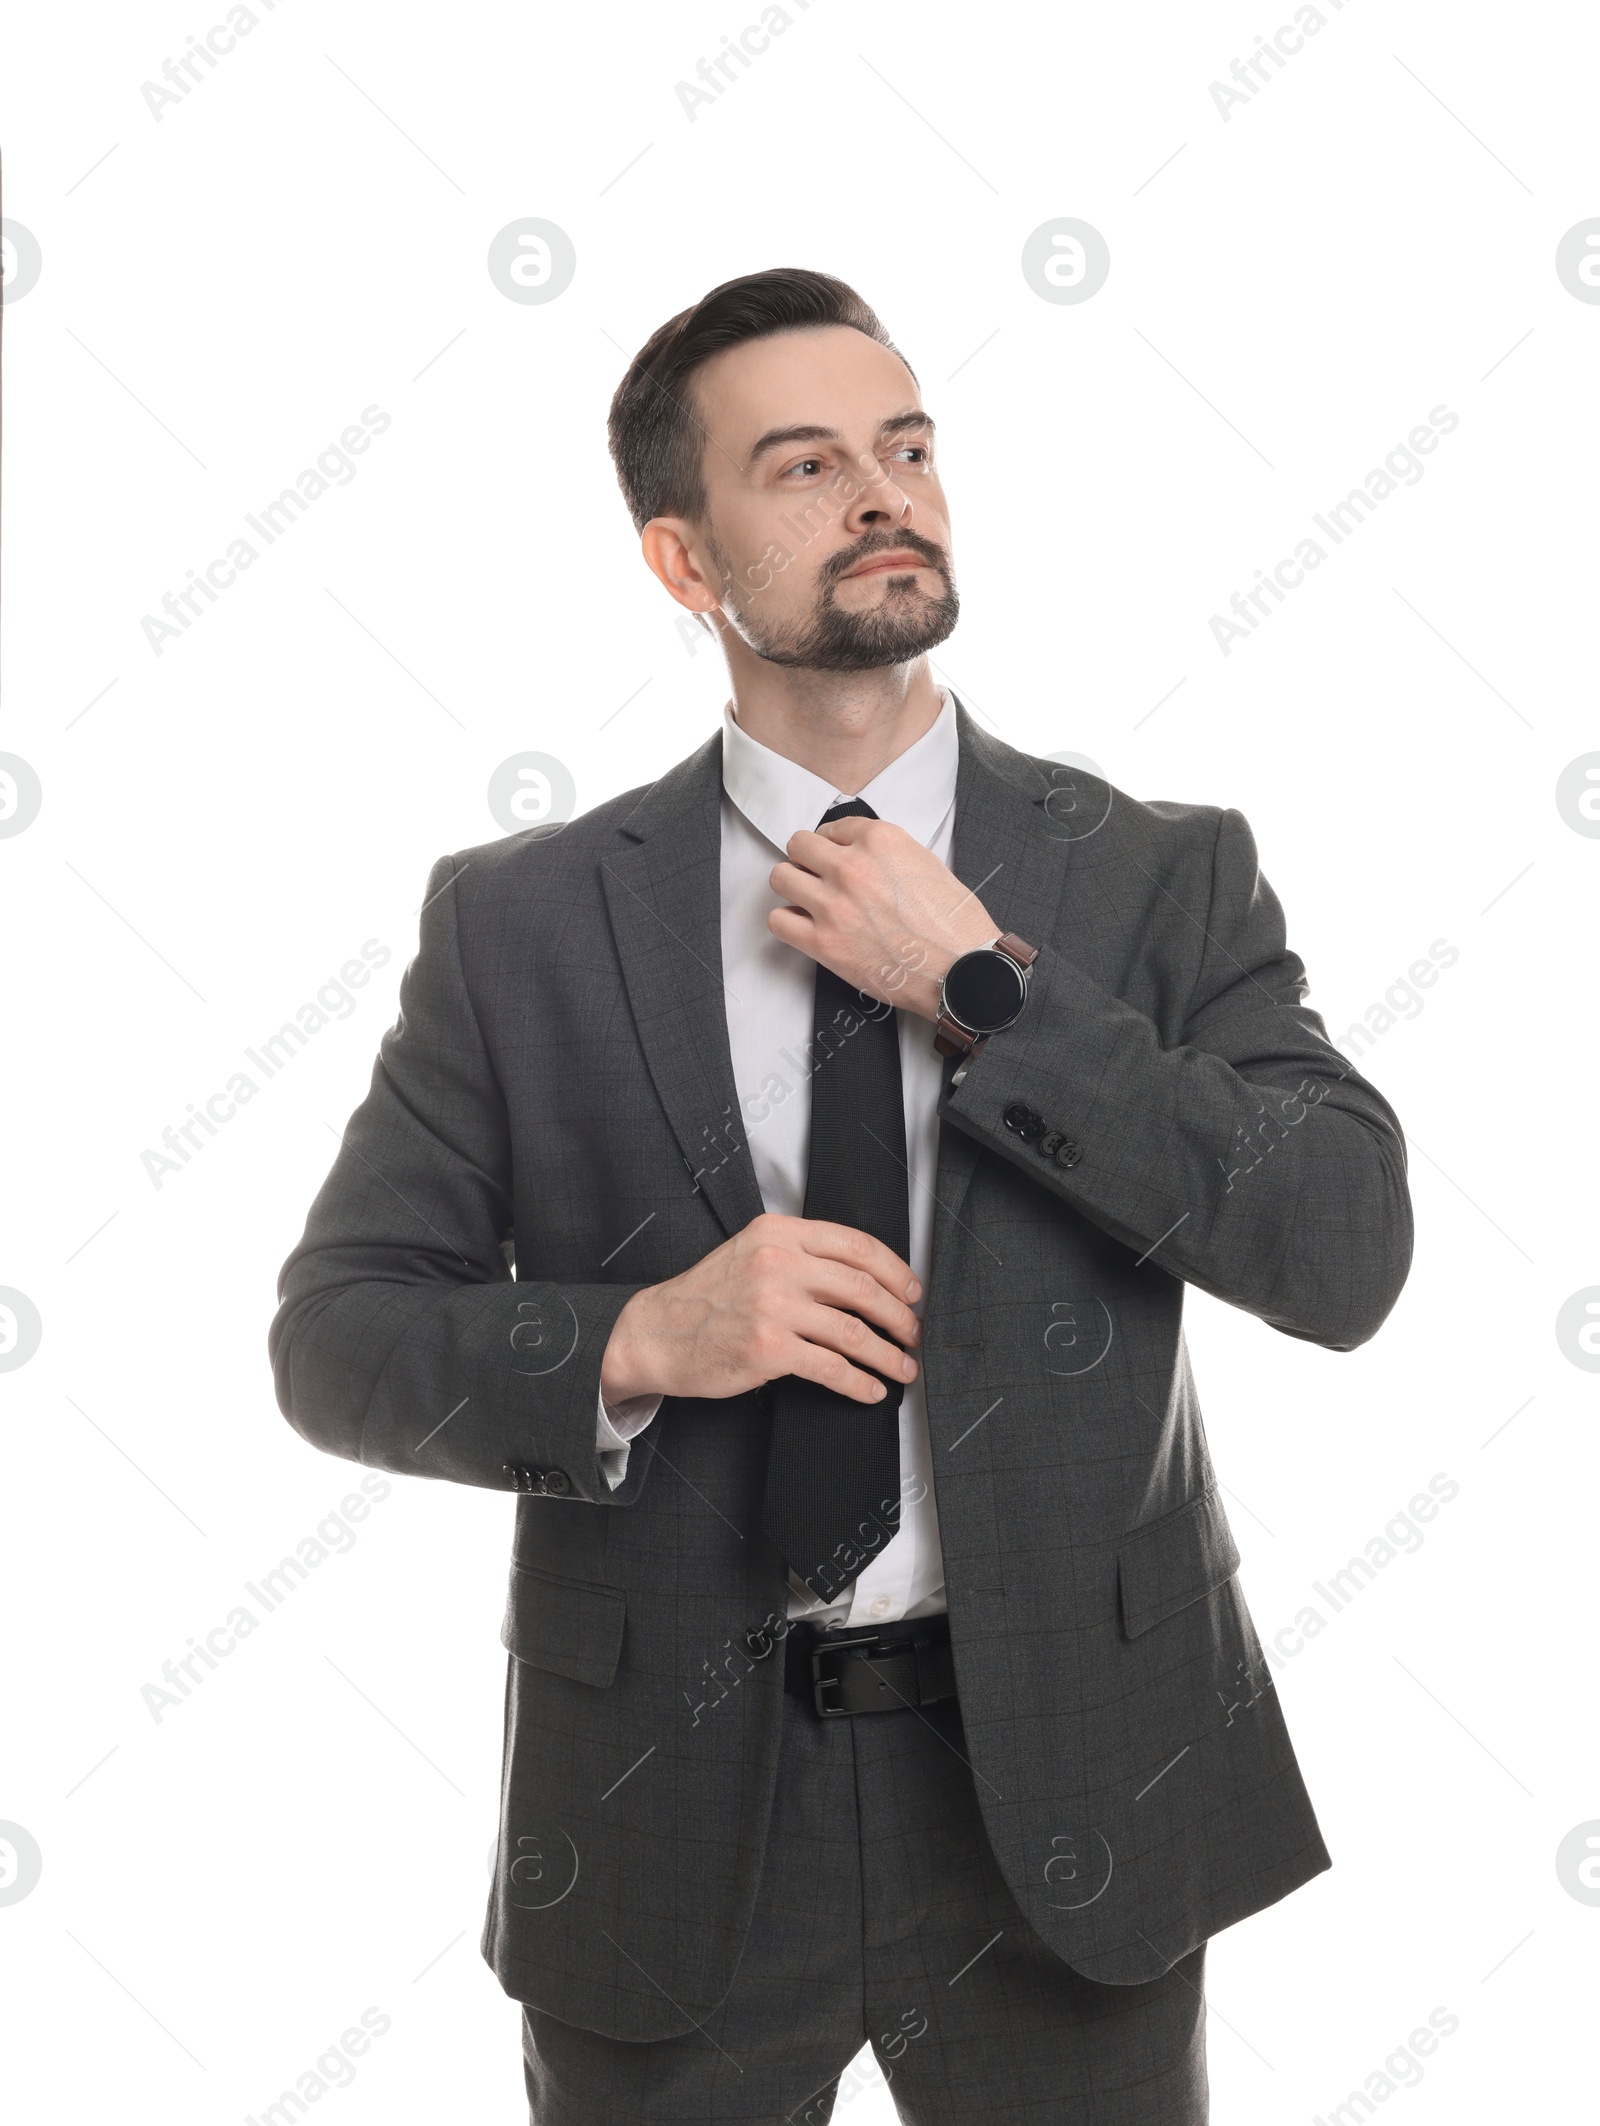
(669,546)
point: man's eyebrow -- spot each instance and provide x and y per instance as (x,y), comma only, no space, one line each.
(810,432)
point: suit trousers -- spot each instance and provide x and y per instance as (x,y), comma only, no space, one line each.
(882,1916)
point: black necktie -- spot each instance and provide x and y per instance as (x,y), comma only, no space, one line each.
(832,1495)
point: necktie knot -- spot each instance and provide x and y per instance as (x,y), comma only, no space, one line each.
(848,808)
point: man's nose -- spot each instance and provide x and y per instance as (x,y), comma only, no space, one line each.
(881,503)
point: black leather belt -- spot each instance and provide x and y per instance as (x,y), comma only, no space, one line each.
(843,1671)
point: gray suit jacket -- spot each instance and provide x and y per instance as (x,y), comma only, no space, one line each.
(557,1093)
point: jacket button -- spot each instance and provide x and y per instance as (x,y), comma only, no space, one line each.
(1049,1142)
(758,1643)
(1069,1153)
(557,1483)
(1018,1117)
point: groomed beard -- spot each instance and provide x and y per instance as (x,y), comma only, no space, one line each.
(900,628)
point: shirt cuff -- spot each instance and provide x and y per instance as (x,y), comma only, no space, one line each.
(615,1425)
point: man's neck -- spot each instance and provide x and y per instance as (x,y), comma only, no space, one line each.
(845,727)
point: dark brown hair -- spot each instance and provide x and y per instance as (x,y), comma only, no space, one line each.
(654,429)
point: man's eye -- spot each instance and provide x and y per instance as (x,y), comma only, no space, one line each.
(806,465)
(915,451)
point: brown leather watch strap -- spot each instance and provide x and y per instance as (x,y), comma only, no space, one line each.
(949,1039)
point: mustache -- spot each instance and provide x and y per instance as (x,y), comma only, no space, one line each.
(884,542)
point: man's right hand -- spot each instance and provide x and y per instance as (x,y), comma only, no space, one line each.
(786,1295)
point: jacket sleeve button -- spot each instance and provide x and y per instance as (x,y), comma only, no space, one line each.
(557,1483)
(1069,1153)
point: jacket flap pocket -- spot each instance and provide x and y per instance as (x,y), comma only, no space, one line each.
(571,1627)
(1163,1567)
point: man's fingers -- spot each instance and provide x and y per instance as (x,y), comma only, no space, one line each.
(857,1292)
(808,848)
(789,925)
(829,1370)
(854,1340)
(791,883)
(861,1251)
(835,1349)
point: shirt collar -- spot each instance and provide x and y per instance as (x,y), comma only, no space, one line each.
(778,796)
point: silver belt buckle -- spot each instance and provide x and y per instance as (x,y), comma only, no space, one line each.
(820,1682)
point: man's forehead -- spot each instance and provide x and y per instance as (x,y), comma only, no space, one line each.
(807,387)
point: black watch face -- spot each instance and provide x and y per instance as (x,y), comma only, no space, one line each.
(984,990)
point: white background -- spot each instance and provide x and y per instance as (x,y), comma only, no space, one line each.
(304,235)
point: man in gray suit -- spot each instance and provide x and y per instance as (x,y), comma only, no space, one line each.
(785,1178)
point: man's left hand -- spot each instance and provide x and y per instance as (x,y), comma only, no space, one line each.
(870,902)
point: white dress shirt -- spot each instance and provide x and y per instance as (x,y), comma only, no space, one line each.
(770,991)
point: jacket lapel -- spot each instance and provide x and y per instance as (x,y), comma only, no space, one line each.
(665,899)
(1014,834)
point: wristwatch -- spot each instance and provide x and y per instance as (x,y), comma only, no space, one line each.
(982,992)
